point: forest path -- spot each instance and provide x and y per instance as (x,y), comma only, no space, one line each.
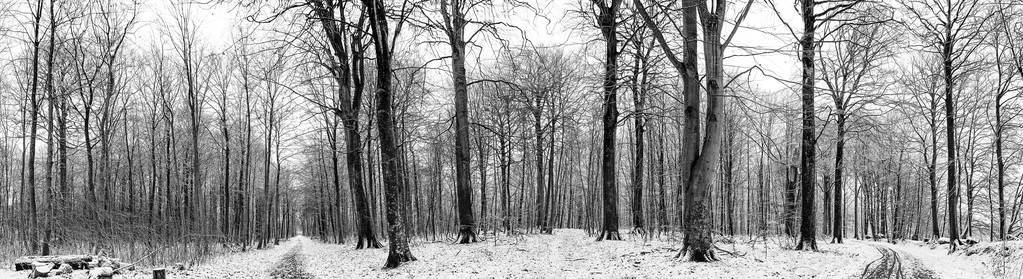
(895,264)
(291,265)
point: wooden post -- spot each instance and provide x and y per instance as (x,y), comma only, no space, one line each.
(159,273)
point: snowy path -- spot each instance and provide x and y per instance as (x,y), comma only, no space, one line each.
(255,264)
(935,258)
(895,264)
(291,266)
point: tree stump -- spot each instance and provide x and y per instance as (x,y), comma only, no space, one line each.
(159,273)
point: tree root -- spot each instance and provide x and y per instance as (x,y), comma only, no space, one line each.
(609,235)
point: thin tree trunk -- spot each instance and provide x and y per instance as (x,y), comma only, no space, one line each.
(838,227)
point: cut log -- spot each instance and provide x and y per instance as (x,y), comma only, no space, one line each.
(75,261)
(42,270)
(63,269)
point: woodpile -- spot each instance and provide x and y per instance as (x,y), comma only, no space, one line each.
(75,261)
(49,266)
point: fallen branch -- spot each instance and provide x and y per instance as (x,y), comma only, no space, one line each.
(731,253)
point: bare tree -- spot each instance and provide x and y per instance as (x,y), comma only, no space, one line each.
(607,21)
(398,251)
(952,29)
(813,18)
(698,243)
(349,101)
(850,69)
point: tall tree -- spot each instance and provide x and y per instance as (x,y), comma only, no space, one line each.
(349,101)
(703,171)
(687,69)
(812,18)
(454,24)
(33,111)
(1008,68)
(398,251)
(850,70)
(952,29)
(607,21)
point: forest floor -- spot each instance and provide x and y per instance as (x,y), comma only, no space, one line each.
(574,254)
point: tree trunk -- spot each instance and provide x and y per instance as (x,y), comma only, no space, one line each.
(953,189)
(335,174)
(638,223)
(34,123)
(538,153)
(662,212)
(838,228)
(1000,161)
(791,192)
(392,178)
(505,182)
(226,207)
(483,160)
(51,201)
(463,187)
(691,93)
(808,238)
(932,171)
(698,242)
(607,19)
(268,200)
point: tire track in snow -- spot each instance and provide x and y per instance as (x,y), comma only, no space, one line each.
(887,266)
(890,265)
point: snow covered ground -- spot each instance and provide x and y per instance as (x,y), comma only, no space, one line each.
(983,260)
(573,254)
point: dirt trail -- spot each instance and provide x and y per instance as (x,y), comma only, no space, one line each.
(290,266)
(894,264)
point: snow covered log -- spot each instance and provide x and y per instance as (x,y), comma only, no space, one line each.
(76,261)
(101,272)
